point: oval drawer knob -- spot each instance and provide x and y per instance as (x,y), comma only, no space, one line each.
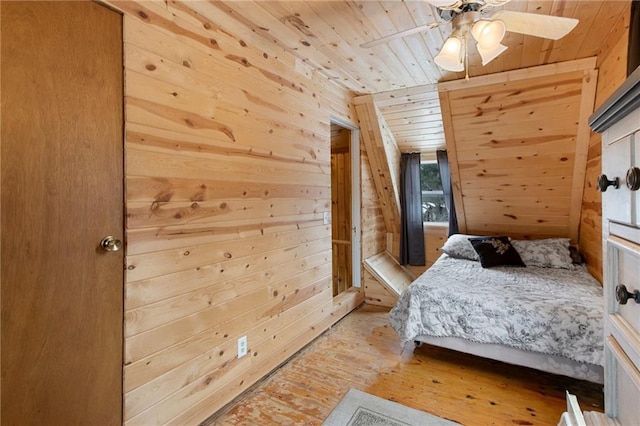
(633,178)
(604,183)
(622,294)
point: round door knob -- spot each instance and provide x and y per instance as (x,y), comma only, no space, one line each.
(622,294)
(633,178)
(604,183)
(111,243)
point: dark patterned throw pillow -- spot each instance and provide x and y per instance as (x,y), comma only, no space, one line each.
(496,251)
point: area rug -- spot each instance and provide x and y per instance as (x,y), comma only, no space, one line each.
(358,408)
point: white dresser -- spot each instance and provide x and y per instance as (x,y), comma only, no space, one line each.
(619,122)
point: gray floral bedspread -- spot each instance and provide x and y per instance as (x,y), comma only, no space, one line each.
(548,310)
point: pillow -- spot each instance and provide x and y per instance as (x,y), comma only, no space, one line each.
(458,246)
(547,253)
(496,251)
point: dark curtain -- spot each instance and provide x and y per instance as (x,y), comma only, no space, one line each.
(633,55)
(445,177)
(411,231)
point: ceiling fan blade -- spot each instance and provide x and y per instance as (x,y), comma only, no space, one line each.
(446,4)
(400,34)
(546,26)
(496,3)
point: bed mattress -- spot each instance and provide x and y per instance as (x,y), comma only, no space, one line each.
(546,310)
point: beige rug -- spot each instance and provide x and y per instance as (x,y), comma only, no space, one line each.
(358,408)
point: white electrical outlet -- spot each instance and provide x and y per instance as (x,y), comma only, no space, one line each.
(326,218)
(242,346)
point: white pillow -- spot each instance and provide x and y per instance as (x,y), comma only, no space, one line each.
(459,247)
(547,253)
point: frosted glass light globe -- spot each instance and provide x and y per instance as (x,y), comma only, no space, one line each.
(450,56)
(488,34)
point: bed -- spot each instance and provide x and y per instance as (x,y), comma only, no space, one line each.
(547,315)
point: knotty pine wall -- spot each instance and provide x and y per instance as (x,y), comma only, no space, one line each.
(517,143)
(373,225)
(612,66)
(227,177)
(373,231)
(384,161)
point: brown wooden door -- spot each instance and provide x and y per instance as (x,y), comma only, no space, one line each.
(62,192)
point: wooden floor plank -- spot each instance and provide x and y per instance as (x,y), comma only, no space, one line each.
(362,351)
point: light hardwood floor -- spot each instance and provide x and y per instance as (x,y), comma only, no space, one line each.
(362,351)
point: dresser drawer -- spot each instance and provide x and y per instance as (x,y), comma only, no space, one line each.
(618,203)
(622,388)
(626,232)
(624,270)
(623,319)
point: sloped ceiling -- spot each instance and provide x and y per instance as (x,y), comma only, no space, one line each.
(414,117)
(326,36)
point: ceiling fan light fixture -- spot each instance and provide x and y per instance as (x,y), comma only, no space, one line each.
(450,56)
(476,29)
(488,34)
(490,54)
(487,28)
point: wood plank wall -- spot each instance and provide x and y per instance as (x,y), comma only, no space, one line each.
(373,231)
(518,144)
(384,159)
(372,220)
(612,65)
(227,177)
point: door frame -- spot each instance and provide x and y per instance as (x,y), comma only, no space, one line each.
(354,153)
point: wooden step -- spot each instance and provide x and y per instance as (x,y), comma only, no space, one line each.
(388,272)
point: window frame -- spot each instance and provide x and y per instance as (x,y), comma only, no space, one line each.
(431,192)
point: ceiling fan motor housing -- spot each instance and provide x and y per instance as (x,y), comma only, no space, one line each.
(447,14)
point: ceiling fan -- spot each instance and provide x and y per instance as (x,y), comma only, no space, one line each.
(487,28)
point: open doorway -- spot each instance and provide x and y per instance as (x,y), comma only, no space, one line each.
(345,207)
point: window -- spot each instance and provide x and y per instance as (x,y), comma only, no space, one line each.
(433,206)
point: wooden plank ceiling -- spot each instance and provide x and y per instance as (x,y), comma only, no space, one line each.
(414,117)
(326,36)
